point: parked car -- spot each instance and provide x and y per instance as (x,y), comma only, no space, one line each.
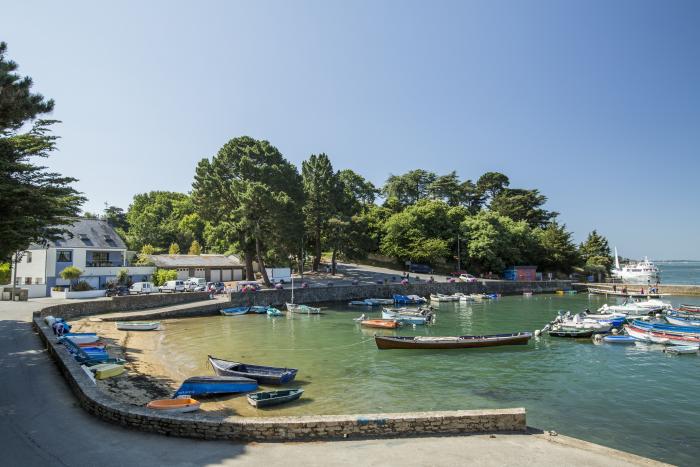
(458,273)
(173,286)
(196,284)
(240,285)
(117,291)
(467,278)
(216,287)
(142,288)
(421,268)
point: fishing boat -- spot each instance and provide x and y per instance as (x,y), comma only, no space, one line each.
(360,303)
(380,323)
(261,374)
(268,398)
(690,308)
(675,320)
(443,298)
(271,311)
(457,342)
(406,318)
(235,311)
(107,370)
(137,326)
(619,339)
(303,309)
(682,349)
(574,333)
(203,385)
(82,337)
(180,405)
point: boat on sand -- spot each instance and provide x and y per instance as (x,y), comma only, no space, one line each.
(180,405)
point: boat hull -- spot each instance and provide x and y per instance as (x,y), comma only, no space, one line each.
(270,398)
(204,385)
(237,311)
(128,326)
(262,374)
(380,323)
(459,342)
(174,405)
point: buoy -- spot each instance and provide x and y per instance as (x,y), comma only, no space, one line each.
(615,331)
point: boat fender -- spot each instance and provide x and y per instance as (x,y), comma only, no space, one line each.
(537,333)
(615,332)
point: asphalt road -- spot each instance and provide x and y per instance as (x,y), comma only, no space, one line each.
(41,424)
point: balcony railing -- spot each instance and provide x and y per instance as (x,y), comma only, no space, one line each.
(103,264)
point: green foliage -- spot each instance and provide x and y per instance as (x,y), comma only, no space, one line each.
(595,252)
(154,218)
(82,286)
(5,269)
(558,252)
(71,273)
(320,189)
(35,204)
(195,248)
(123,276)
(491,184)
(522,205)
(410,187)
(161,276)
(144,256)
(174,249)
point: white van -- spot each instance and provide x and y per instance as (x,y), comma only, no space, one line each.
(142,287)
(173,286)
(195,284)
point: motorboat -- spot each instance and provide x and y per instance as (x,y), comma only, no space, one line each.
(642,272)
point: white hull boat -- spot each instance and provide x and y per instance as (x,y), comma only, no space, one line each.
(137,326)
(303,309)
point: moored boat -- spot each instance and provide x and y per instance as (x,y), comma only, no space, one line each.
(137,326)
(456,342)
(574,333)
(82,338)
(408,299)
(268,398)
(203,385)
(619,339)
(235,311)
(690,308)
(180,405)
(261,374)
(258,309)
(271,311)
(683,349)
(303,309)
(380,323)
(675,320)
(406,318)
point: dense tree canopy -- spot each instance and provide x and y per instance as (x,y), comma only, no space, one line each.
(154,218)
(595,251)
(320,190)
(34,202)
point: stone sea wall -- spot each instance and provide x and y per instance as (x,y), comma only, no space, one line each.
(672,289)
(205,426)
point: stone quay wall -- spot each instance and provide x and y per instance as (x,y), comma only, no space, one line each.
(206,426)
(123,303)
(672,289)
(345,293)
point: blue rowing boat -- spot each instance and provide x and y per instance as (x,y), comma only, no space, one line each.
(261,374)
(236,311)
(258,309)
(670,328)
(619,339)
(204,385)
(678,321)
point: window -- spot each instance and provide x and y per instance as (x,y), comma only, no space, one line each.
(64,256)
(27,281)
(29,257)
(38,280)
(18,281)
(99,258)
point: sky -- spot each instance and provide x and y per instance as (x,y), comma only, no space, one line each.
(594,103)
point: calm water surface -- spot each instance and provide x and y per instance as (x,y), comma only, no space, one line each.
(634,398)
(680,272)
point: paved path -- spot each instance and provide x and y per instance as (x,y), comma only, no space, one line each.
(42,425)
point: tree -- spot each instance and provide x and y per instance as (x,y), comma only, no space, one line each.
(71,273)
(523,205)
(361,190)
(447,188)
(249,187)
(491,184)
(144,256)
(36,205)
(408,188)
(123,276)
(320,184)
(595,251)
(161,276)
(195,248)
(473,197)
(116,217)
(4,273)
(558,252)
(174,249)
(154,218)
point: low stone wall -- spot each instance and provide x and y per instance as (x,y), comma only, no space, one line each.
(203,425)
(346,293)
(672,289)
(124,303)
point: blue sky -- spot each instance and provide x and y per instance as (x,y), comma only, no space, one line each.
(595,103)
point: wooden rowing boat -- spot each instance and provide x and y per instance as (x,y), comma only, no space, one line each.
(457,342)
(182,405)
(137,326)
(690,308)
(203,385)
(236,311)
(261,374)
(574,333)
(380,323)
(268,398)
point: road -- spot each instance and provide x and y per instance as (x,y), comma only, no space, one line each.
(41,424)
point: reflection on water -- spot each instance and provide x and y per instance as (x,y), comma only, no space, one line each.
(631,397)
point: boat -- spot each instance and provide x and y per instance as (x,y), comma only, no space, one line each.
(659,336)
(303,309)
(137,326)
(669,328)
(236,311)
(682,349)
(408,299)
(258,309)
(261,374)
(675,320)
(82,338)
(180,405)
(619,339)
(360,303)
(272,311)
(406,318)
(372,302)
(577,322)
(575,333)
(268,398)
(97,345)
(203,385)
(107,370)
(642,272)
(443,298)
(690,308)
(457,342)
(630,307)
(527,294)
(380,323)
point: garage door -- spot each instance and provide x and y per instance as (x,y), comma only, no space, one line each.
(226,275)
(215,275)
(183,273)
(238,274)
(199,272)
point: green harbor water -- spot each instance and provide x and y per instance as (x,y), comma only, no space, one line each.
(635,398)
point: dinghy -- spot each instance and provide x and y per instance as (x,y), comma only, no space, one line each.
(574,333)
(690,308)
(619,339)
(107,370)
(303,309)
(266,399)
(682,349)
(236,311)
(380,323)
(181,405)
(259,373)
(271,311)
(137,326)
(456,342)
(258,309)
(682,321)
(82,337)
(203,385)
(403,318)
(408,299)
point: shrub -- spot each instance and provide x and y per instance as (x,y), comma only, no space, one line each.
(123,276)
(161,276)
(4,273)
(82,286)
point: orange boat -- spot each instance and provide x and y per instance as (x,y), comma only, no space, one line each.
(380,323)
(185,404)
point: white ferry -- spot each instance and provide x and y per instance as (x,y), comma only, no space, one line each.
(642,272)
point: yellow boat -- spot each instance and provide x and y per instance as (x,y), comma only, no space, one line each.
(107,370)
(185,404)
(559,292)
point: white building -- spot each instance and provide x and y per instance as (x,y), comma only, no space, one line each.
(92,246)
